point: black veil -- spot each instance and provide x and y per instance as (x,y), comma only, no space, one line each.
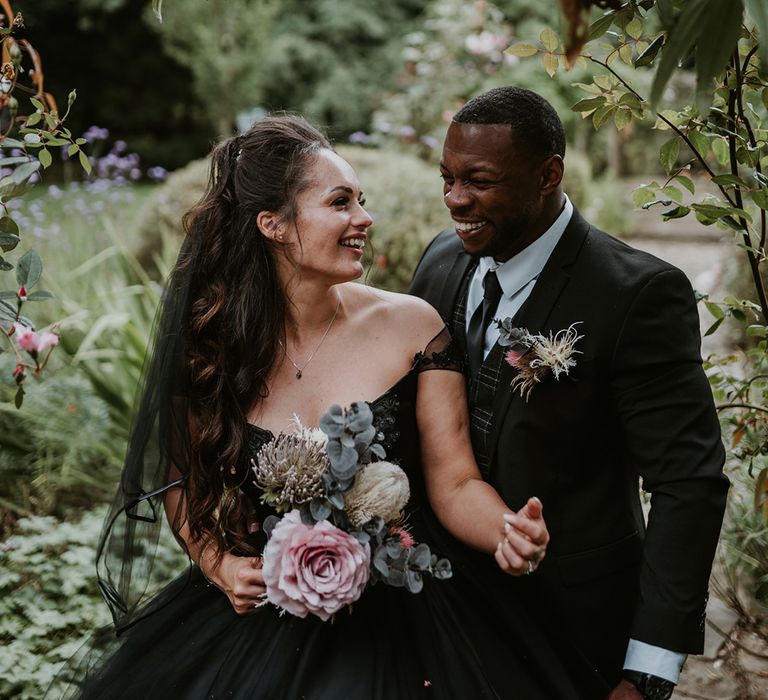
(159,439)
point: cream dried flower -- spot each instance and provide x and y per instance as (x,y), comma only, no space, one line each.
(536,356)
(290,467)
(381,489)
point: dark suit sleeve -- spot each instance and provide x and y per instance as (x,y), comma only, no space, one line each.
(672,435)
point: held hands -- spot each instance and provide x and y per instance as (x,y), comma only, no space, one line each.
(241,579)
(525,540)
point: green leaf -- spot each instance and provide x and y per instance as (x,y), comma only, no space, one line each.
(674,193)
(39,296)
(8,225)
(714,327)
(670,150)
(686,182)
(739,315)
(73,148)
(521,50)
(758,11)
(676,213)
(84,162)
(45,157)
(634,28)
(622,118)
(604,81)
(721,150)
(37,104)
(600,26)
(11,143)
(549,40)
(8,241)
(602,115)
(700,142)
(728,179)
(764,93)
(679,43)
(19,398)
(647,56)
(23,172)
(5,266)
(28,269)
(760,198)
(641,196)
(33,119)
(715,309)
(625,54)
(550,63)
(14,160)
(757,331)
(719,33)
(588,104)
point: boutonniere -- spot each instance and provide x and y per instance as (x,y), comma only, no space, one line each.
(534,356)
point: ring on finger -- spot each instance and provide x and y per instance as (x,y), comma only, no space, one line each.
(531,568)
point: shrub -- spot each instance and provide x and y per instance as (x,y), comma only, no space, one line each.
(49,599)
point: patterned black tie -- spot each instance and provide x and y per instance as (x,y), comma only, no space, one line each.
(481,319)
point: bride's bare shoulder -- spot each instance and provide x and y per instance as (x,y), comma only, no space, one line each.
(406,314)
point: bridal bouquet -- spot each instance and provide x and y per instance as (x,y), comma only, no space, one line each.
(341,509)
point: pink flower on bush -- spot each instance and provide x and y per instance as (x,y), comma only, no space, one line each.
(34,342)
(314,569)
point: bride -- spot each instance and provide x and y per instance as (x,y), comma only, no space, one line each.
(262,324)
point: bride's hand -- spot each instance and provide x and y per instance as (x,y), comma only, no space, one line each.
(242,580)
(525,540)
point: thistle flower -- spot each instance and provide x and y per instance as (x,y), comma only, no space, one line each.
(381,489)
(290,467)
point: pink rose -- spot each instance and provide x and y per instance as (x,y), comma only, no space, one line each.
(314,569)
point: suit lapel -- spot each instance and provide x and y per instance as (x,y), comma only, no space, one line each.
(448,297)
(536,311)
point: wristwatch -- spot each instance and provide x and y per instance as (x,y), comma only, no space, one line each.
(649,686)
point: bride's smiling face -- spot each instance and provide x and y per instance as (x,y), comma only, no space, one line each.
(330,225)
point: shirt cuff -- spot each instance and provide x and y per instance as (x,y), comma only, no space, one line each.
(647,658)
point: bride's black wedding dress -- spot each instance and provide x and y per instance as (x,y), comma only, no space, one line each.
(465,638)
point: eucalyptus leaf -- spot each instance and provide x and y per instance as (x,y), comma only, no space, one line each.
(421,555)
(319,508)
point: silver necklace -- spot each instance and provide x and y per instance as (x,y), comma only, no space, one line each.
(300,370)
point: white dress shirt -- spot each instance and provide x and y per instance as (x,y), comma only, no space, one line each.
(517,277)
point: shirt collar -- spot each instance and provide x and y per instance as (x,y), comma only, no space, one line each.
(518,271)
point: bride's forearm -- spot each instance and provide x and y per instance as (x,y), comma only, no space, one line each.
(473,512)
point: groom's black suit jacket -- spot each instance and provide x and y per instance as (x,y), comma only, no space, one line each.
(636,403)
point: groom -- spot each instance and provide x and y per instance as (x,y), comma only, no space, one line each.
(635,403)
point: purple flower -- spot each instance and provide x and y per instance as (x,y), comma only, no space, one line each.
(157,173)
(359,137)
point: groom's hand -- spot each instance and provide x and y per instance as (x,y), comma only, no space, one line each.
(525,540)
(625,691)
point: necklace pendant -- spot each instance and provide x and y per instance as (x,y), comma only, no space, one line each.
(298,374)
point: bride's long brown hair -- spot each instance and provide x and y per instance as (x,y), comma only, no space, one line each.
(236,310)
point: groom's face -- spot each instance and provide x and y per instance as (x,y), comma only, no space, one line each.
(491,187)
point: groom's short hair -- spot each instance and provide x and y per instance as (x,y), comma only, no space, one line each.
(534,121)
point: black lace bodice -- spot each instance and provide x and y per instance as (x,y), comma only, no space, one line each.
(394,417)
